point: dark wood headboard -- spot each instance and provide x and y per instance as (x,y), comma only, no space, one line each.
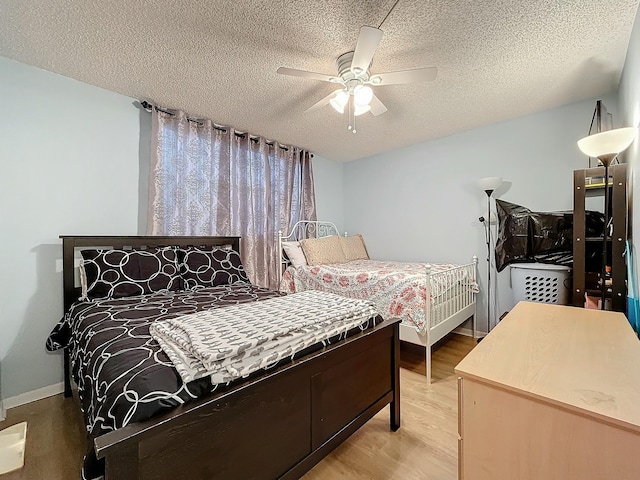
(72,243)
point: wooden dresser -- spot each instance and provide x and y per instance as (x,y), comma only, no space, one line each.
(552,393)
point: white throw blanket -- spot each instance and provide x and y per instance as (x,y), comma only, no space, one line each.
(232,342)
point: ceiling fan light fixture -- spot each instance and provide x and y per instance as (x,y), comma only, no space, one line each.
(355,95)
(339,101)
(359,110)
(362,95)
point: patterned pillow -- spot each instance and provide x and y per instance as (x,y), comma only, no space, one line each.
(354,248)
(123,273)
(210,267)
(294,253)
(320,251)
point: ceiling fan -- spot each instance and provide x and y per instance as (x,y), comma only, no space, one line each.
(355,79)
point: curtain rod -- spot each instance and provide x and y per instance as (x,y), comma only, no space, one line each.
(147,106)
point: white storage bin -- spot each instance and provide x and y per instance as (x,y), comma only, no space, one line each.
(540,282)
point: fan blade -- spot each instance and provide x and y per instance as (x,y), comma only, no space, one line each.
(321,103)
(368,42)
(377,107)
(304,74)
(407,76)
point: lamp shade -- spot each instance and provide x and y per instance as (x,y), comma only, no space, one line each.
(609,143)
(489,183)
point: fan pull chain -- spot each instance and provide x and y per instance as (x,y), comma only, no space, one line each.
(349,112)
(352,113)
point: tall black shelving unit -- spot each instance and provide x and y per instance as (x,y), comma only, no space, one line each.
(587,250)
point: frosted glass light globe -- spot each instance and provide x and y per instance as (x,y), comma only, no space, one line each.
(360,110)
(339,101)
(362,95)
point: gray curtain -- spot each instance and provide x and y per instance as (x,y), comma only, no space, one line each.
(208,180)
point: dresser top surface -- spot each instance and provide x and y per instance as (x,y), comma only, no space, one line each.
(584,360)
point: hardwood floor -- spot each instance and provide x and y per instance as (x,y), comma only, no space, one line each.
(56,439)
(424,448)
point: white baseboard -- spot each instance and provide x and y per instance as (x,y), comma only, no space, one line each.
(2,412)
(467,332)
(33,395)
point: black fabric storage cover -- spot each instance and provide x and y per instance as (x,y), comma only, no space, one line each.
(513,234)
(550,232)
(545,237)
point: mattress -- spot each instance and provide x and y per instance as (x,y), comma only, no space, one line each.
(397,289)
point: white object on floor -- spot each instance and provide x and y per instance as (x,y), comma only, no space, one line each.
(12,443)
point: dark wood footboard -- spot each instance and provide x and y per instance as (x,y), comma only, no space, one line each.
(278,425)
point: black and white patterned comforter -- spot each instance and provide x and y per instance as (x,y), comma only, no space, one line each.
(123,375)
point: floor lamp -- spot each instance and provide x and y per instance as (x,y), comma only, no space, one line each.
(605,147)
(489,184)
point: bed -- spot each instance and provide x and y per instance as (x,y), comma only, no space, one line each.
(431,299)
(277,422)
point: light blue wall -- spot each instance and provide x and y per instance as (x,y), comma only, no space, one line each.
(69,165)
(328,182)
(629,102)
(422,203)
(74,160)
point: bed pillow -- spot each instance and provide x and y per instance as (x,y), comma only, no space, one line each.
(294,253)
(354,248)
(122,273)
(320,251)
(211,267)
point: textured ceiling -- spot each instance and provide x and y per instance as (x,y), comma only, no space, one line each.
(497,59)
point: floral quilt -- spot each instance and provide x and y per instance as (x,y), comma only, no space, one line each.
(397,289)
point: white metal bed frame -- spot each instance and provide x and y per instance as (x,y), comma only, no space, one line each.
(443,314)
